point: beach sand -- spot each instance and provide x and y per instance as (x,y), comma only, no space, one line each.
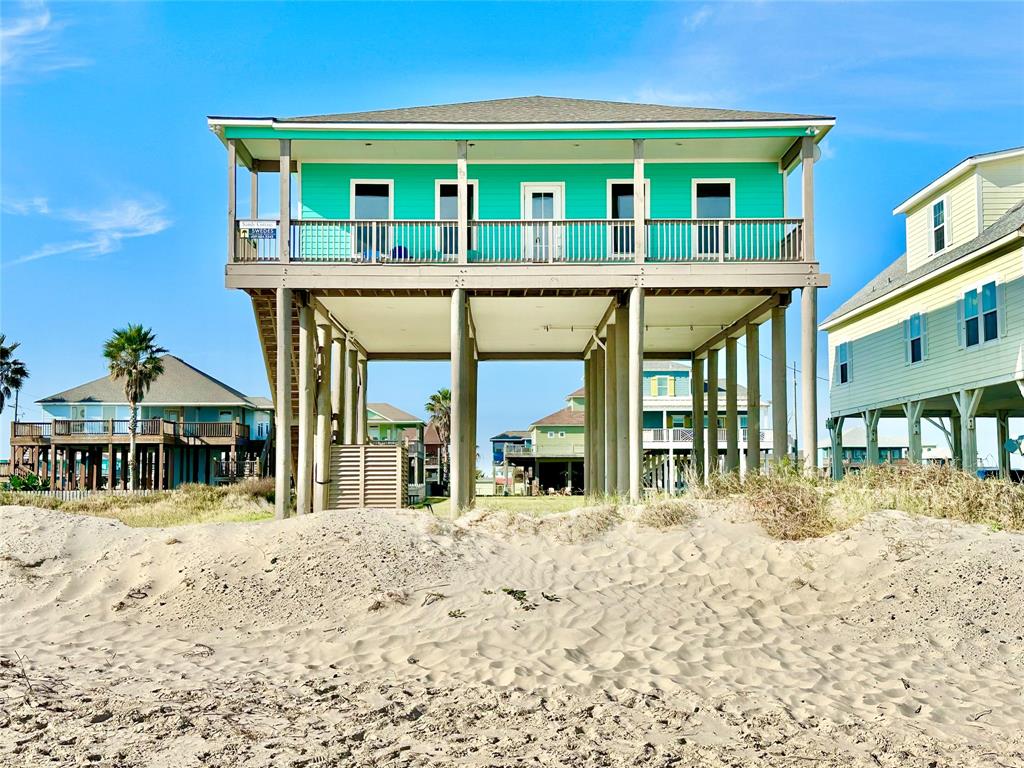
(388,638)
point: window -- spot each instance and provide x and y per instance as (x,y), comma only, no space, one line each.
(551,434)
(371,200)
(448,210)
(843,362)
(661,386)
(938,226)
(712,199)
(915,338)
(561,434)
(981,317)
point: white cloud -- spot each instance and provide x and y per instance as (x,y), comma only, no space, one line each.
(30,44)
(103,230)
(698,17)
(26,206)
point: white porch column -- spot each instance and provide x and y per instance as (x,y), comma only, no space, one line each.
(697,399)
(636,400)
(913,410)
(470,446)
(835,429)
(809,374)
(712,399)
(1002,435)
(232,194)
(283,405)
(361,374)
(351,393)
(780,420)
(285,233)
(639,203)
(753,340)
(732,421)
(871,435)
(967,402)
(337,385)
(322,437)
(621,329)
(597,358)
(307,376)
(611,470)
(459,417)
(588,426)
(462,187)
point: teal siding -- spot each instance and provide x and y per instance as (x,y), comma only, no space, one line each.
(326,187)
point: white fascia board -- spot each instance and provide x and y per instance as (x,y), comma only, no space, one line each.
(951,174)
(1004,240)
(220,122)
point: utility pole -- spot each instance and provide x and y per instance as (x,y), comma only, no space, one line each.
(796,419)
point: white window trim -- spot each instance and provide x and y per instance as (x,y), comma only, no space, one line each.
(352,196)
(982,342)
(838,365)
(608,197)
(946,229)
(524,186)
(437,196)
(910,338)
(732,195)
(551,434)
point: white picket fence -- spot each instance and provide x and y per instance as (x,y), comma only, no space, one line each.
(74,495)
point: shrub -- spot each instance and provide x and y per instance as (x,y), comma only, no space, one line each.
(667,513)
(790,505)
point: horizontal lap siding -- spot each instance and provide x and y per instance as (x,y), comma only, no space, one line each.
(961,217)
(1002,187)
(878,369)
(325,187)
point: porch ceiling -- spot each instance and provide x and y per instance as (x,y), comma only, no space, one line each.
(524,325)
(683,323)
(595,151)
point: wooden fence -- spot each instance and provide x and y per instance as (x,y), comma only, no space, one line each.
(75,495)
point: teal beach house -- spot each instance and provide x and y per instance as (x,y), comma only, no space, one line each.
(533,228)
(192,428)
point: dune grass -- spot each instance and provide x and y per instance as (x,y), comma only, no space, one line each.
(247,501)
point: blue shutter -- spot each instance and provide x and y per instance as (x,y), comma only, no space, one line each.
(906,342)
(924,336)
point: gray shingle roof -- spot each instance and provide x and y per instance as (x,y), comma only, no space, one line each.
(180,384)
(896,276)
(550,109)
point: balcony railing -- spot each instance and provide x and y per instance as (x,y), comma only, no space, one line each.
(544,450)
(72,428)
(684,436)
(515,241)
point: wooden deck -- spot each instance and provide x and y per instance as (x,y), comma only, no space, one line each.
(115,431)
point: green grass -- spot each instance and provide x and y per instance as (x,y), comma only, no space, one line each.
(248,501)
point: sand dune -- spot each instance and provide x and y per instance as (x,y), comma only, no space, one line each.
(380,638)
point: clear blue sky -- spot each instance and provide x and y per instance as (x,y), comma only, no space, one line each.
(113,188)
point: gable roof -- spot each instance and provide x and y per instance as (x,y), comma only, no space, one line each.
(895,276)
(388,412)
(552,109)
(511,435)
(180,384)
(962,167)
(565,417)
(665,366)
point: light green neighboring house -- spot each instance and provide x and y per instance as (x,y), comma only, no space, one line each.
(387,424)
(939,334)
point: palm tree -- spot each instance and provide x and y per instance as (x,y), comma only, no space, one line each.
(12,373)
(439,406)
(132,355)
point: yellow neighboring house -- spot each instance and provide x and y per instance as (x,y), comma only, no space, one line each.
(939,334)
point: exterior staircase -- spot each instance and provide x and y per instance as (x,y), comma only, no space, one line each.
(265,312)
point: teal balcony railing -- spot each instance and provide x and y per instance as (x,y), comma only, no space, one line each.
(516,241)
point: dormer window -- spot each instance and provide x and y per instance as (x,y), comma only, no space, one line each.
(939,225)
